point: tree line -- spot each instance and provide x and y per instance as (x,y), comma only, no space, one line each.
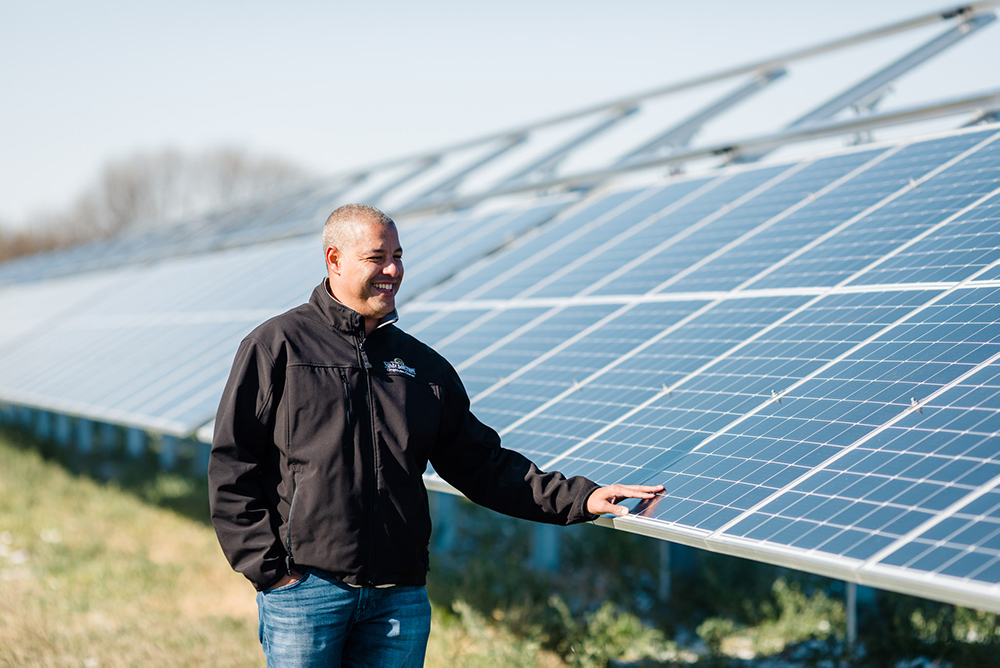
(149,189)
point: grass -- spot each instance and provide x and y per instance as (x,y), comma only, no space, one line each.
(128,572)
(112,563)
(91,575)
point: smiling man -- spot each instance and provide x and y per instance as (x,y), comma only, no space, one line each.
(326,426)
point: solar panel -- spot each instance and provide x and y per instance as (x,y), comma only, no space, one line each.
(805,354)
(151,346)
(785,355)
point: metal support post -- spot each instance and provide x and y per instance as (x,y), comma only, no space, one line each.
(663,584)
(135,442)
(441,190)
(63,431)
(681,134)
(445,527)
(202,452)
(167,456)
(43,425)
(84,436)
(852,614)
(109,437)
(545,544)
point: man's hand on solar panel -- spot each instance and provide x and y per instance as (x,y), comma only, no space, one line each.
(604,499)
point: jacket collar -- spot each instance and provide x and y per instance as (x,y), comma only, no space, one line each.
(340,317)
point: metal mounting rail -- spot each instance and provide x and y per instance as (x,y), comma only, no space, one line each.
(978,102)
(959,12)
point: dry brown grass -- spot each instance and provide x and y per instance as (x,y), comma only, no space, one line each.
(90,576)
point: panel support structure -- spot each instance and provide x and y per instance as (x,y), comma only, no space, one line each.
(852,614)
(135,442)
(682,133)
(545,547)
(548,163)
(43,425)
(169,451)
(663,584)
(442,189)
(84,436)
(880,80)
(445,529)
(419,168)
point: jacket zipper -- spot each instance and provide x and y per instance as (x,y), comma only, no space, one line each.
(374,478)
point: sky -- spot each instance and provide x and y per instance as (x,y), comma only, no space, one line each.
(333,85)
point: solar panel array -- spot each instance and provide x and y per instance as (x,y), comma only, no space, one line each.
(805,354)
(150,345)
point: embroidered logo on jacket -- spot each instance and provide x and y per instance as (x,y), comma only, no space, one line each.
(397,366)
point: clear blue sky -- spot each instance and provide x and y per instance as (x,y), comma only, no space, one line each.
(332,85)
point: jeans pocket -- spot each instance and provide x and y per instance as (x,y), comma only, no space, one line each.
(291,585)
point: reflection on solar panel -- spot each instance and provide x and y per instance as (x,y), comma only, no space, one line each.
(805,354)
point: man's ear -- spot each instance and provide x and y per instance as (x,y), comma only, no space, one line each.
(332,260)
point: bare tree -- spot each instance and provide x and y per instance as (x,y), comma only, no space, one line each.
(149,189)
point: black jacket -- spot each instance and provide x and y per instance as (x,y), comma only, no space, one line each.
(321,440)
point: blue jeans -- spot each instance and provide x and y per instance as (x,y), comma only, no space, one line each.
(320,621)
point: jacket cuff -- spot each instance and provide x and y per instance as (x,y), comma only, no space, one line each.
(583,514)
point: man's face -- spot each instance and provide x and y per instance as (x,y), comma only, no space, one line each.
(366,275)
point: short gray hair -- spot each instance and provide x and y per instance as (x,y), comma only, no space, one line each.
(341,227)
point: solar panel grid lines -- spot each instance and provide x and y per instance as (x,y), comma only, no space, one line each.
(778,395)
(630,256)
(789,229)
(782,174)
(562,230)
(849,509)
(964,544)
(169,384)
(605,233)
(676,385)
(624,357)
(921,529)
(846,451)
(829,258)
(432,250)
(832,233)
(488,237)
(129,375)
(928,232)
(581,260)
(587,380)
(723,250)
(553,231)
(568,367)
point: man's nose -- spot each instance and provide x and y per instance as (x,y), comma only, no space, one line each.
(394,269)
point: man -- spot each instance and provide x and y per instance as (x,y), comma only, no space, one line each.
(328,421)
